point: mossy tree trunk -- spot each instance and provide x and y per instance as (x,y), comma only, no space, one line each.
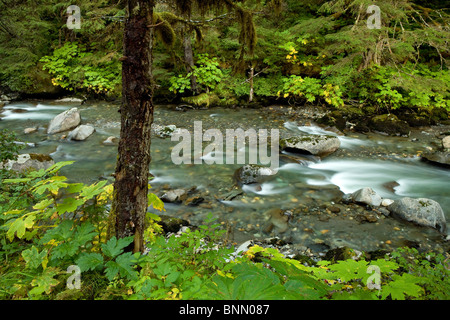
(132,169)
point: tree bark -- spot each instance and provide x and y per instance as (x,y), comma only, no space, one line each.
(189,59)
(130,200)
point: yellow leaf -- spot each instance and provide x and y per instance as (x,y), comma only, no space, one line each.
(286,95)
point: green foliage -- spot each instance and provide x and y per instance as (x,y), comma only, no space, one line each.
(8,148)
(75,68)
(53,224)
(311,89)
(206,71)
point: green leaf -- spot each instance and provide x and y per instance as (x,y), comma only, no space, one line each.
(402,286)
(155,202)
(69,205)
(93,190)
(33,258)
(44,282)
(113,247)
(18,227)
(89,261)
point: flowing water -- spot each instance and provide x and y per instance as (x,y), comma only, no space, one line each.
(309,187)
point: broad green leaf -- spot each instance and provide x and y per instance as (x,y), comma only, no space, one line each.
(43,204)
(57,166)
(93,190)
(155,202)
(33,258)
(19,226)
(90,261)
(69,205)
(115,247)
(44,282)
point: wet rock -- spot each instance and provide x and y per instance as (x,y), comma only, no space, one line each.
(194,201)
(440,158)
(370,217)
(110,141)
(162,131)
(386,202)
(391,185)
(174,196)
(252,173)
(70,99)
(334,119)
(367,196)
(334,209)
(341,253)
(29,161)
(65,121)
(278,220)
(389,124)
(81,133)
(229,196)
(422,211)
(172,224)
(30,130)
(19,110)
(318,145)
(446,143)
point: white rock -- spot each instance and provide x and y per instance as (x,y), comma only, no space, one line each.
(387,202)
(81,133)
(65,121)
(110,140)
(367,196)
(30,130)
(446,142)
(70,100)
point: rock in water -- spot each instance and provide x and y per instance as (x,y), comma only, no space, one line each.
(111,141)
(163,131)
(422,211)
(367,196)
(30,130)
(318,145)
(446,143)
(440,158)
(81,133)
(252,173)
(28,161)
(174,196)
(65,121)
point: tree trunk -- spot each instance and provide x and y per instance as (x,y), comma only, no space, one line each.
(252,74)
(189,59)
(130,200)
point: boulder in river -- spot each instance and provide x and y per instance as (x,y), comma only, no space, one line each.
(440,158)
(422,211)
(110,141)
(162,131)
(318,145)
(64,121)
(389,124)
(367,196)
(28,161)
(446,143)
(252,173)
(30,130)
(81,133)
(174,196)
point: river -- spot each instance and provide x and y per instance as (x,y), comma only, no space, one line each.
(312,189)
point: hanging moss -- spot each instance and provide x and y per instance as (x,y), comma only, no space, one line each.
(164,30)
